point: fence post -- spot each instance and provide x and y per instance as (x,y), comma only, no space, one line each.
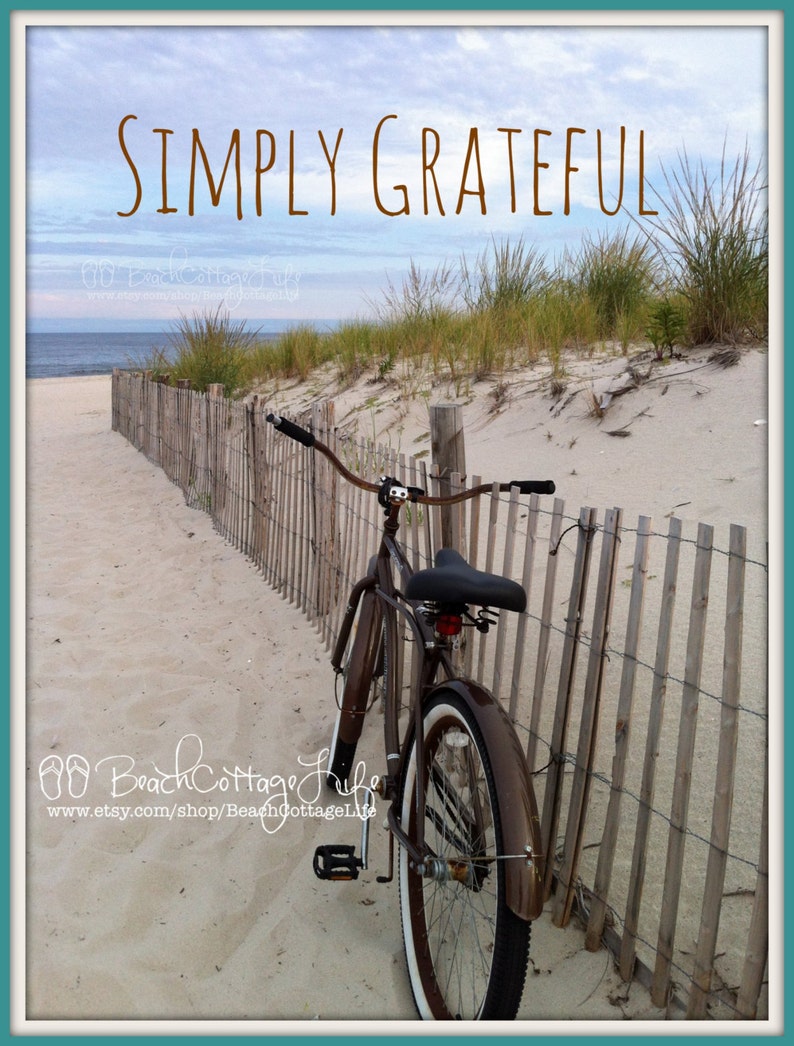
(449,454)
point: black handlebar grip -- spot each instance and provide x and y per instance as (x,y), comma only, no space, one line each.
(534,486)
(289,428)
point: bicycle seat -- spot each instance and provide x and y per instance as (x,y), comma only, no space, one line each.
(452,580)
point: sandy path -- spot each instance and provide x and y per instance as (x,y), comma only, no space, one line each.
(155,649)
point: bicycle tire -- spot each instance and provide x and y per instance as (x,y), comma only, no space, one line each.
(461,939)
(359,679)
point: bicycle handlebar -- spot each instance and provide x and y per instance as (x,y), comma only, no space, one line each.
(308,439)
(289,428)
(533,486)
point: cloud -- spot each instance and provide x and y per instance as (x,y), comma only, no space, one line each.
(689,87)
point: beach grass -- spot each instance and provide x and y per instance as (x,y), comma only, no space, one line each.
(696,273)
(206,348)
(712,233)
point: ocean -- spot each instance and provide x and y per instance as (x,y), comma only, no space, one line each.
(75,354)
(72,355)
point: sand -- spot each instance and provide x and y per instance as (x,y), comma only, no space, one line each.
(685,435)
(165,678)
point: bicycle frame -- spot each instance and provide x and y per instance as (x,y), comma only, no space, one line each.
(524,874)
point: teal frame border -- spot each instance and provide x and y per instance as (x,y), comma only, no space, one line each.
(180,6)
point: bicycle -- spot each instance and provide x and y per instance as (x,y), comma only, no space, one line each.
(462,807)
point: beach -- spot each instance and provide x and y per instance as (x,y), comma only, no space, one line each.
(169,689)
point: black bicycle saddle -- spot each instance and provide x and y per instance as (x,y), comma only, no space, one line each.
(452,580)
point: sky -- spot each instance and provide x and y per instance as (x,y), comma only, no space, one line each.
(361,150)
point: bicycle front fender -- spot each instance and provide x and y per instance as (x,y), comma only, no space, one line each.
(518,809)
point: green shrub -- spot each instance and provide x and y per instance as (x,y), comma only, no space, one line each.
(666,327)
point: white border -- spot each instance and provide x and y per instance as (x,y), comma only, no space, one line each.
(19,21)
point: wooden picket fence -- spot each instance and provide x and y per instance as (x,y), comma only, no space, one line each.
(636,677)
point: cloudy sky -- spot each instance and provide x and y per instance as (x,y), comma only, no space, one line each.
(357,132)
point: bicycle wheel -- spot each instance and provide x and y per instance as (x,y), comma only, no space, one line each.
(466,950)
(360,682)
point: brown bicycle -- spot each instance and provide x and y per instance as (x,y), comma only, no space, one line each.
(461,803)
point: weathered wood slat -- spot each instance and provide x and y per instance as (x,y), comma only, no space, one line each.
(726,773)
(521,626)
(507,570)
(588,724)
(412,544)
(609,838)
(490,552)
(472,554)
(293,545)
(435,490)
(542,657)
(652,742)
(425,484)
(679,810)
(552,799)
(342,567)
(755,961)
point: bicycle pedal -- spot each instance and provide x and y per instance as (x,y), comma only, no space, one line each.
(338,863)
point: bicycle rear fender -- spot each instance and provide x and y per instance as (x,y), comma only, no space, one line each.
(517,805)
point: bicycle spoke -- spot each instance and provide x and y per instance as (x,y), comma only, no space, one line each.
(449,795)
(476,784)
(461,930)
(438,822)
(459,833)
(462,825)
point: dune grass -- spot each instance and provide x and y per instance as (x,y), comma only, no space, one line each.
(207,348)
(615,274)
(697,273)
(713,236)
